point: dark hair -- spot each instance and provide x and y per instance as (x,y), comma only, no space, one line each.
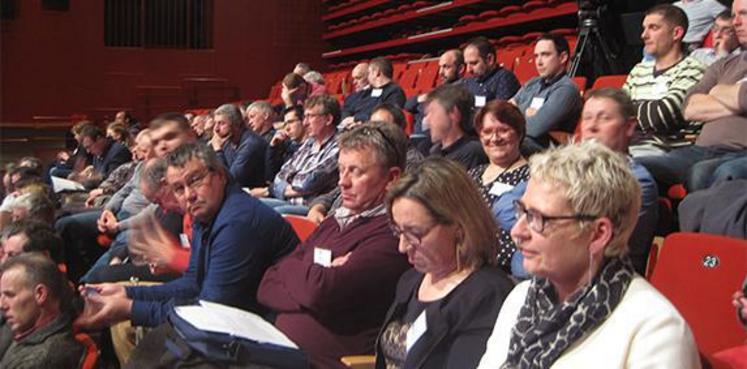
(506,113)
(395,112)
(298,109)
(329,104)
(384,65)
(671,14)
(41,237)
(623,101)
(40,269)
(560,42)
(483,46)
(725,15)
(167,118)
(292,80)
(92,132)
(195,150)
(451,96)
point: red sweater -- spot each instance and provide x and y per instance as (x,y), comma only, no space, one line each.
(336,311)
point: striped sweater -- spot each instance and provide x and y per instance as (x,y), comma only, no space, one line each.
(659,98)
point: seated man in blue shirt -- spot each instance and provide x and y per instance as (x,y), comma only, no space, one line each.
(489,80)
(551,101)
(240,149)
(383,90)
(235,239)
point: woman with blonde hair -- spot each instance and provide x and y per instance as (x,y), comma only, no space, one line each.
(443,307)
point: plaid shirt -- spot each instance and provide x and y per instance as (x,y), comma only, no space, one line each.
(310,172)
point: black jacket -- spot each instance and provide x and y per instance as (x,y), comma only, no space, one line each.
(458,325)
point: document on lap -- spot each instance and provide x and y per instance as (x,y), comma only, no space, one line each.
(214,317)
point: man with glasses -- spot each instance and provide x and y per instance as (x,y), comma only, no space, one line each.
(332,292)
(235,239)
(725,41)
(285,142)
(240,149)
(313,168)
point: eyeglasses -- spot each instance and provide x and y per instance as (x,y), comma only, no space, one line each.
(537,220)
(412,238)
(193,182)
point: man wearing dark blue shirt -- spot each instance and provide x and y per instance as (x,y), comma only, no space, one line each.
(489,81)
(235,239)
(383,90)
(241,150)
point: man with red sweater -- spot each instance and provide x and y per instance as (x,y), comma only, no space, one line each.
(332,292)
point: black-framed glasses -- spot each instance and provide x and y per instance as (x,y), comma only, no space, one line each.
(193,182)
(537,220)
(412,238)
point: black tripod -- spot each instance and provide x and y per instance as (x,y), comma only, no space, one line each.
(591,42)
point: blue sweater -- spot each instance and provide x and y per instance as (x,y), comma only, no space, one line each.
(229,257)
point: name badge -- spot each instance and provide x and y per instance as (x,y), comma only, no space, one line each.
(536,103)
(323,257)
(660,89)
(499,188)
(184,241)
(480,101)
(416,331)
(376,92)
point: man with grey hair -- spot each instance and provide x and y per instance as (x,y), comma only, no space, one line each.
(241,150)
(35,299)
(383,90)
(259,118)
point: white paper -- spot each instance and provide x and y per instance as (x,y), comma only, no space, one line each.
(214,317)
(62,184)
(499,188)
(184,240)
(376,92)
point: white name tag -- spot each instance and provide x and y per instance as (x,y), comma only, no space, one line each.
(418,327)
(499,188)
(376,92)
(323,257)
(480,101)
(184,240)
(660,90)
(536,103)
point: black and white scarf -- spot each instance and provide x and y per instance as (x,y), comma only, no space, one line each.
(544,329)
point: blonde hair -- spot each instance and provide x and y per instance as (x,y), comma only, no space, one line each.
(595,180)
(444,188)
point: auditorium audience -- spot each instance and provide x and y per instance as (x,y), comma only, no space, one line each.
(488,81)
(260,118)
(445,307)
(117,132)
(361,87)
(585,303)
(701,14)
(383,90)
(240,149)
(295,90)
(235,238)
(720,209)
(316,83)
(29,236)
(285,142)
(330,295)
(68,163)
(658,87)
(448,113)
(313,168)
(725,41)
(451,69)
(718,101)
(301,69)
(551,101)
(501,128)
(609,118)
(36,301)
(107,155)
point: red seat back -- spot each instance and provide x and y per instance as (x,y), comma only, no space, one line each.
(91,355)
(616,81)
(699,273)
(301,225)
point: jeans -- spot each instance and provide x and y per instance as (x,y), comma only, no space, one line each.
(731,170)
(694,166)
(283,207)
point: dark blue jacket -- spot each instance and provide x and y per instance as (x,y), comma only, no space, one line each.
(116,154)
(229,257)
(246,161)
(499,84)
